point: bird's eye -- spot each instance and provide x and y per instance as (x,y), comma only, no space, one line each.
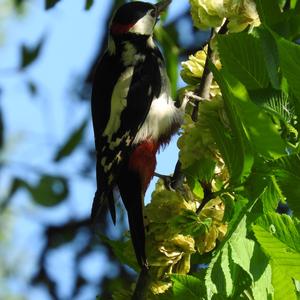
(153,13)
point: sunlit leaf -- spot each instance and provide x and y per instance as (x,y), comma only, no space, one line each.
(279,236)
(284,288)
(240,54)
(236,150)
(187,287)
(271,196)
(247,254)
(253,122)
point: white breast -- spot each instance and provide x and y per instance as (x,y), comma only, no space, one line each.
(162,115)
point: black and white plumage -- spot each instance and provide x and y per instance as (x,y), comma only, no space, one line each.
(133,114)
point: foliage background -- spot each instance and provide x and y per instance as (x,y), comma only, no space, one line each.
(232,225)
(48,50)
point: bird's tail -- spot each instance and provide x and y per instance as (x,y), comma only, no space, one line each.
(102,200)
(132,196)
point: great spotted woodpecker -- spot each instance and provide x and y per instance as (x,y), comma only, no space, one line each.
(133,114)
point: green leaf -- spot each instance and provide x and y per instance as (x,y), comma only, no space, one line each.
(50,3)
(189,223)
(240,54)
(50,190)
(242,205)
(229,203)
(285,23)
(253,122)
(218,279)
(287,172)
(279,236)
(268,11)
(235,149)
(123,251)
(88,4)
(224,278)
(289,54)
(284,288)
(271,196)
(290,26)
(72,142)
(247,254)
(187,287)
(30,54)
(270,55)
(240,265)
(17,184)
(276,102)
(203,170)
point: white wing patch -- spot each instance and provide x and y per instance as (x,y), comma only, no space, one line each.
(118,103)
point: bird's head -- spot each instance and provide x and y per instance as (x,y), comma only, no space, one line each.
(137,18)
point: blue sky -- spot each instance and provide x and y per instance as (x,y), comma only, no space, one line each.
(35,127)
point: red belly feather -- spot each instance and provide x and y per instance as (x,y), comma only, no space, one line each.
(143,161)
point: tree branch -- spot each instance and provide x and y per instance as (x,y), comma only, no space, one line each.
(201,91)
(204,87)
(142,285)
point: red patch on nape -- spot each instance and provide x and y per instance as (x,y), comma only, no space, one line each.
(143,161)
(117,28)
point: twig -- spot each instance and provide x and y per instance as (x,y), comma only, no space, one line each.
(208,195)
(142,285)
(204,87)
(201,91)
(178,177)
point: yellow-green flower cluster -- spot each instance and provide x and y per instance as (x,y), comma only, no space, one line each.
(192,70)
(211,13)
(197,141)
(175,231)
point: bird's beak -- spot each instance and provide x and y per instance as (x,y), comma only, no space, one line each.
(162,6)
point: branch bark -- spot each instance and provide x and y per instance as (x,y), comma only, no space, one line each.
(202,91)
(142,285)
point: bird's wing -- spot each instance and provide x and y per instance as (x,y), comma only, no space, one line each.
(121,100)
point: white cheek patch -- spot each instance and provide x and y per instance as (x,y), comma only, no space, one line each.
(143,26)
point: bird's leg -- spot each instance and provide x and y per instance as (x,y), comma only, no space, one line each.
(167,180)
(191,98)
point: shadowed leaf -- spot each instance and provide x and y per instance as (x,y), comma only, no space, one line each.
(50,3)
(71,143)
(30,54)
(89,4)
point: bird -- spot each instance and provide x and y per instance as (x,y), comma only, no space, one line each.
(133,114)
